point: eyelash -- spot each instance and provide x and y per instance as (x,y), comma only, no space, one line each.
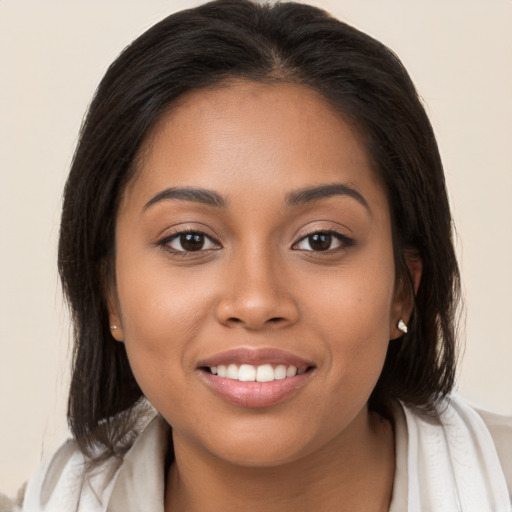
(166,241)
(345,242)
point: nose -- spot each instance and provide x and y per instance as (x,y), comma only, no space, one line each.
(257,295)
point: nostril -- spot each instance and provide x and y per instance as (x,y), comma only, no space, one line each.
(273,320)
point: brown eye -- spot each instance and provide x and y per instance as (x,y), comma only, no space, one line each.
(323,241)
(189,241)
(320,241)
(192,241)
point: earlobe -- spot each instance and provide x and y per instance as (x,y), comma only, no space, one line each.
(116,332)
(115,323)
(116,329)
(405,295)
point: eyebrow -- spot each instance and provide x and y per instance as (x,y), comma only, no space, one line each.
(311,194)
(196,195)
(295,198)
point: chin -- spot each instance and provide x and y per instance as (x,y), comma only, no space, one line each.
(266,442)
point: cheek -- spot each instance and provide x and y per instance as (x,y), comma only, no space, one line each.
(352,317)
(162,314)
(353,327)
(357,299)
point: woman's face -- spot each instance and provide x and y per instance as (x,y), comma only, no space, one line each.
(255,242)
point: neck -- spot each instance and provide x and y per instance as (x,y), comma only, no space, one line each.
(355,471)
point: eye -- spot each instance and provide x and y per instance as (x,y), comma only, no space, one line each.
(189,241)
(323,241)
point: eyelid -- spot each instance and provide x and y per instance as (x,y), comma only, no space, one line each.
(179,231)
(345,240)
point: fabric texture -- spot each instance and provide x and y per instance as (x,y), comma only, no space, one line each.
(447,463)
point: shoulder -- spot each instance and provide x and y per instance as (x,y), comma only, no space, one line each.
(500,428)
(71,481)
(52,475)
(459,455)
(63,482)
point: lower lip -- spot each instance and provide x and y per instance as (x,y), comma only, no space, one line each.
(255,394)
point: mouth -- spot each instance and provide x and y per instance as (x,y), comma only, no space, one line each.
(259,373)
(255,378)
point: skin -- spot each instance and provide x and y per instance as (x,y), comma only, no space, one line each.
(258,283)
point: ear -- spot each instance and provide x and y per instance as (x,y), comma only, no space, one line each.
(114,316)
(406,290)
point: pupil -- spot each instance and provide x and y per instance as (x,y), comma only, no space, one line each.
(192,241)
(320,241)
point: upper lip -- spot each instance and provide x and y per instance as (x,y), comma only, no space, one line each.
(256,357)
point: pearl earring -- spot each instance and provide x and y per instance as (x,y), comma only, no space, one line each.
(402,326)
(113,327)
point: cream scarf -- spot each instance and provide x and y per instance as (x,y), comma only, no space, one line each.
(447,464)
(444,464)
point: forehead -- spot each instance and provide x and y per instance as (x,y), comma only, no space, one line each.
(251,135)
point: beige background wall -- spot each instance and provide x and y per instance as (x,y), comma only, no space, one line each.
(52,55)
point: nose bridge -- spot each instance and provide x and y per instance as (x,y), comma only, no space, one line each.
(257,275)
(256,294)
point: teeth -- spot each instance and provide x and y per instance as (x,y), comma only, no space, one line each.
(280,372)
(291,371)
(265,373)
(247,373)
(232,371)
(250,373)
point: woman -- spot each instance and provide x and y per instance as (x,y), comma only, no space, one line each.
(256,239)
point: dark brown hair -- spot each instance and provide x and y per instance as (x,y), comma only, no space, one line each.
(288,42)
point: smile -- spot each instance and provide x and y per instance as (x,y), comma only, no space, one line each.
(252,373)
(255,378)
